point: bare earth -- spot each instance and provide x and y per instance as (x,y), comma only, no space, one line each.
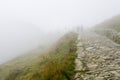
(98,58)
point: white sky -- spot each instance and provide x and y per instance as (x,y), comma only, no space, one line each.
(21,21)
(58,13)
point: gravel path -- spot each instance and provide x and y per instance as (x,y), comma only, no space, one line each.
(98,58)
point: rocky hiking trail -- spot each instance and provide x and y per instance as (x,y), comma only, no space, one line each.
(98,58)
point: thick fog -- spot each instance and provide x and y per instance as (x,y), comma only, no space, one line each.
(28,24)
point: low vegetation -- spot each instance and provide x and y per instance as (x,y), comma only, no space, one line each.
(55,64)
(110,28)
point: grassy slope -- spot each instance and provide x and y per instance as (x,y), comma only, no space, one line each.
(110,28)
(55,64)
(113,23)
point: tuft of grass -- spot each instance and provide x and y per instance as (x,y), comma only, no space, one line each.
(56,64)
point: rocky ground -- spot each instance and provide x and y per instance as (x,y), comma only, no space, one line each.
(98,58)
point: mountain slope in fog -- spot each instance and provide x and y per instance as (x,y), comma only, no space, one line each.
(112,23)
(55,63)
(19,38)
(110,28)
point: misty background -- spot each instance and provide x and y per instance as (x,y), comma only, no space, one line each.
(28,24)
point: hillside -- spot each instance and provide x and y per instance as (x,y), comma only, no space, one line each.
(98,58)
(98,52)
(112,23)
(56,63)
(110,28)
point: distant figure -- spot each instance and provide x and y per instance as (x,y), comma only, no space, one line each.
(81,29)
(78,29)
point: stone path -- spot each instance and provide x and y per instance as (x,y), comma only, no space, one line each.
(98,58)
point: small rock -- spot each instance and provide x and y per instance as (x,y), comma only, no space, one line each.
(92,66)
(115,73)
(79,44)
(99,78)
(78,77)
(89,48)
(108,58)
(78,65)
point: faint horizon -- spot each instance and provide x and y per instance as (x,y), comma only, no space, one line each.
(26,24)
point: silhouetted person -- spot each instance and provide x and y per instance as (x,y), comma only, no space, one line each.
(81,29)
(78,29)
